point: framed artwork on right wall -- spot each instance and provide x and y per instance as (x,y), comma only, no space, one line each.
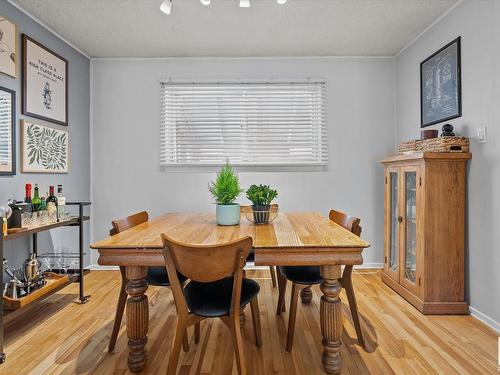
(440,85)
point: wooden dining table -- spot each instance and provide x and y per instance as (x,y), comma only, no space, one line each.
(292,239)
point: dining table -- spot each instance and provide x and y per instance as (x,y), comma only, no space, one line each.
(291,239)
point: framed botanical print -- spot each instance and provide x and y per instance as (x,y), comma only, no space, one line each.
(45,83)
(44,149)
(8,47)
(7,132)
(440,85)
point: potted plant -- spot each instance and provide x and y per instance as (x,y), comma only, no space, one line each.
(261,197)
(225,189)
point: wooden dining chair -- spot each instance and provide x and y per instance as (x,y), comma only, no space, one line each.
(306,276)
(251,256)
(156,276)
(217,289)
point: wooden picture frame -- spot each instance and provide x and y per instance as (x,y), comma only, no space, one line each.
(6,168)
(9,47)
(44,149)
(441,85)
(44,82)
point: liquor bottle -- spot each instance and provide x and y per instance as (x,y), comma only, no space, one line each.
(36,202)
(27,197)
(43,204)
(52,203)
(61,203)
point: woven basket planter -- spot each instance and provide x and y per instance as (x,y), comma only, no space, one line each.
(440,144)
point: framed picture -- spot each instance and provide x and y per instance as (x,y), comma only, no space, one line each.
(440,85)
(44,149)
(7,132)
(45,83)
(9,55)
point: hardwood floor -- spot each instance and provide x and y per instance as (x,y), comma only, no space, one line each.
(62,337)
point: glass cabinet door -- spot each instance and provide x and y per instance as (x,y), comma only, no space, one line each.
(410,226)
(392,260)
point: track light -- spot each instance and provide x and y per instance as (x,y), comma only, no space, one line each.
(244,3)
(281,2)
(166,6)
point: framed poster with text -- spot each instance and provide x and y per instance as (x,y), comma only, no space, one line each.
(440,85)
(45,83)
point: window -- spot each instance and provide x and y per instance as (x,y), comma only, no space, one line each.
(248,123)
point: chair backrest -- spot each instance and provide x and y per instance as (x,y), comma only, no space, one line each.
(205,263)
(130,221)
(350,223)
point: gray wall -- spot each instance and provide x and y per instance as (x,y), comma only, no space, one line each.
(478,24)
(76,183)
(125,145)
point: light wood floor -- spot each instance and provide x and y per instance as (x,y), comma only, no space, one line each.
(62,337)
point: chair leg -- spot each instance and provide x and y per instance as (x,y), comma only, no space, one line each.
(185,342)
(120,307)
(346,282)
(197,333)
(238,346)
(281,293)
(273,275)
(292,316)
(176,347)
(254,304)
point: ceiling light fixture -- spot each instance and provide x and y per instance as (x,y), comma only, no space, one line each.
(281,2)
(205,2)
(244,3)
(166,6)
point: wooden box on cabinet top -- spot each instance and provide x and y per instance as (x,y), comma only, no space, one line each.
(424,220)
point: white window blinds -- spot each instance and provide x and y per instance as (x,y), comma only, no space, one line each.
(247,123)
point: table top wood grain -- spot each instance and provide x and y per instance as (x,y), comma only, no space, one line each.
(288,230)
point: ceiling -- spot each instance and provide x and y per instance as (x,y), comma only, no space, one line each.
(137,28)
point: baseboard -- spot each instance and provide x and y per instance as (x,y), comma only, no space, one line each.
(490,322)
(97,267)
(250,266)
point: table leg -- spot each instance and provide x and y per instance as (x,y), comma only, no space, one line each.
(137,314)
(331,318)
(306,295)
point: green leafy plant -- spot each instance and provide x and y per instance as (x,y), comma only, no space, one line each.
(226,187)
(261,195)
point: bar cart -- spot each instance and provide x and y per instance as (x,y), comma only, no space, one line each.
(58,282)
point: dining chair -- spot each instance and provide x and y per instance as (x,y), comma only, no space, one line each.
(156,276)
(307,276)
(217,289)
(251,255)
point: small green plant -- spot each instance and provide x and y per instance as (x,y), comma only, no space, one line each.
(261,195)
(226,187)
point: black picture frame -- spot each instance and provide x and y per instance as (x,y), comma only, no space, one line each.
(25,111)
(457,88)
(12,93)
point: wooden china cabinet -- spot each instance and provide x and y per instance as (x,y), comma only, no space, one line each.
(424,219)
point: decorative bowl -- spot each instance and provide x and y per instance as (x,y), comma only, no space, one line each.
(262,216)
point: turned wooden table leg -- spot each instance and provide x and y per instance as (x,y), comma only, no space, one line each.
(331,318)
(137,314)
(306,295)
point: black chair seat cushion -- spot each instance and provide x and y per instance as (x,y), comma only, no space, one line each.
(158,276)
(213,299)
(305,275)
(251,256)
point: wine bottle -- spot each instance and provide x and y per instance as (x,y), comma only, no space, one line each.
(36,202)
(27,197)
(61,203)
(52,203)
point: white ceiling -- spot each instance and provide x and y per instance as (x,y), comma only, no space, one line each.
(137,28)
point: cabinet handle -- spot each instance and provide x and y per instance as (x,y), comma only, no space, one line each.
(400,219)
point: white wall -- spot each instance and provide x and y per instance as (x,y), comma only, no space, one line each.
(125,147)
(478,24)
